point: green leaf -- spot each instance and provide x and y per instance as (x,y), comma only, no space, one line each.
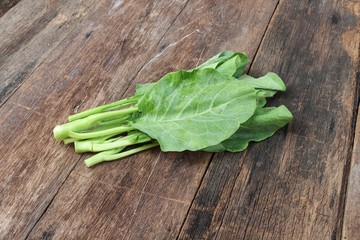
(262,95)
(228,63)
(270,81)
(260,102)
(266,86)
(142,88)
(264,123)
(193,110)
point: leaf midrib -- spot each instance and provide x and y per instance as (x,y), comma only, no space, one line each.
(195,115)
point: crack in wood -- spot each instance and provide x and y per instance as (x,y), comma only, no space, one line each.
(28,109)
(339,230)
(141,195)
(242,159)
(168,46)
(50,201)
(263,36)
(195,194)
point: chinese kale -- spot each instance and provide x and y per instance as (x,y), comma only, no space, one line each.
(213,107)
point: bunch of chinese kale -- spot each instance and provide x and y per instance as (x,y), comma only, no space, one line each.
(213,107)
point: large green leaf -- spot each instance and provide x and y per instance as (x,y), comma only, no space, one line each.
(193,110)
(227,63)
(142,88)
(264,123)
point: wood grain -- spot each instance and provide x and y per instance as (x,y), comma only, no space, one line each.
(166,182)
(6,5)
(351,225)
(292,185)
(36,166)
(62,57)
(29,35)
(352,211)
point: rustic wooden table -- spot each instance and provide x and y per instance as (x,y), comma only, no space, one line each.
(64,56)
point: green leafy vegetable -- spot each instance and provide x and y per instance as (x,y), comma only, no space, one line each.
(213,107)
(193,110)
(227,63)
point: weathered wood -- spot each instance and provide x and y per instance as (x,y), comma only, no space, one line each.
(351,225)
(30,33)
(27,183)
(351,229)
(164,183)
(6,5)
(291,186)
(34,165)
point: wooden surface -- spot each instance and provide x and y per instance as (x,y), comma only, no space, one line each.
(5,5)
(61,57)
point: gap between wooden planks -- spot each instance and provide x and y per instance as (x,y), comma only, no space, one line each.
(351,224)
(352,213)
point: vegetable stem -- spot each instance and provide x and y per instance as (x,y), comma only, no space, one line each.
(107,107)
(69,140)
(113,155)
(71,129)
(131,139)
(86,135)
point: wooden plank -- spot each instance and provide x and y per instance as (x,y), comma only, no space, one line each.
(291,186)
(97,199)
(34,165)
(27,163)
(167,182)
(6,5)
(352,211)
(29,33)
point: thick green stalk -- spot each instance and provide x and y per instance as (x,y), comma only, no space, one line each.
(95,134)
(73,129)
(69,140)
(92,140)
(131,139)
(104,108)
(111,156)
(114,121)
(97,158)
(105,127)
